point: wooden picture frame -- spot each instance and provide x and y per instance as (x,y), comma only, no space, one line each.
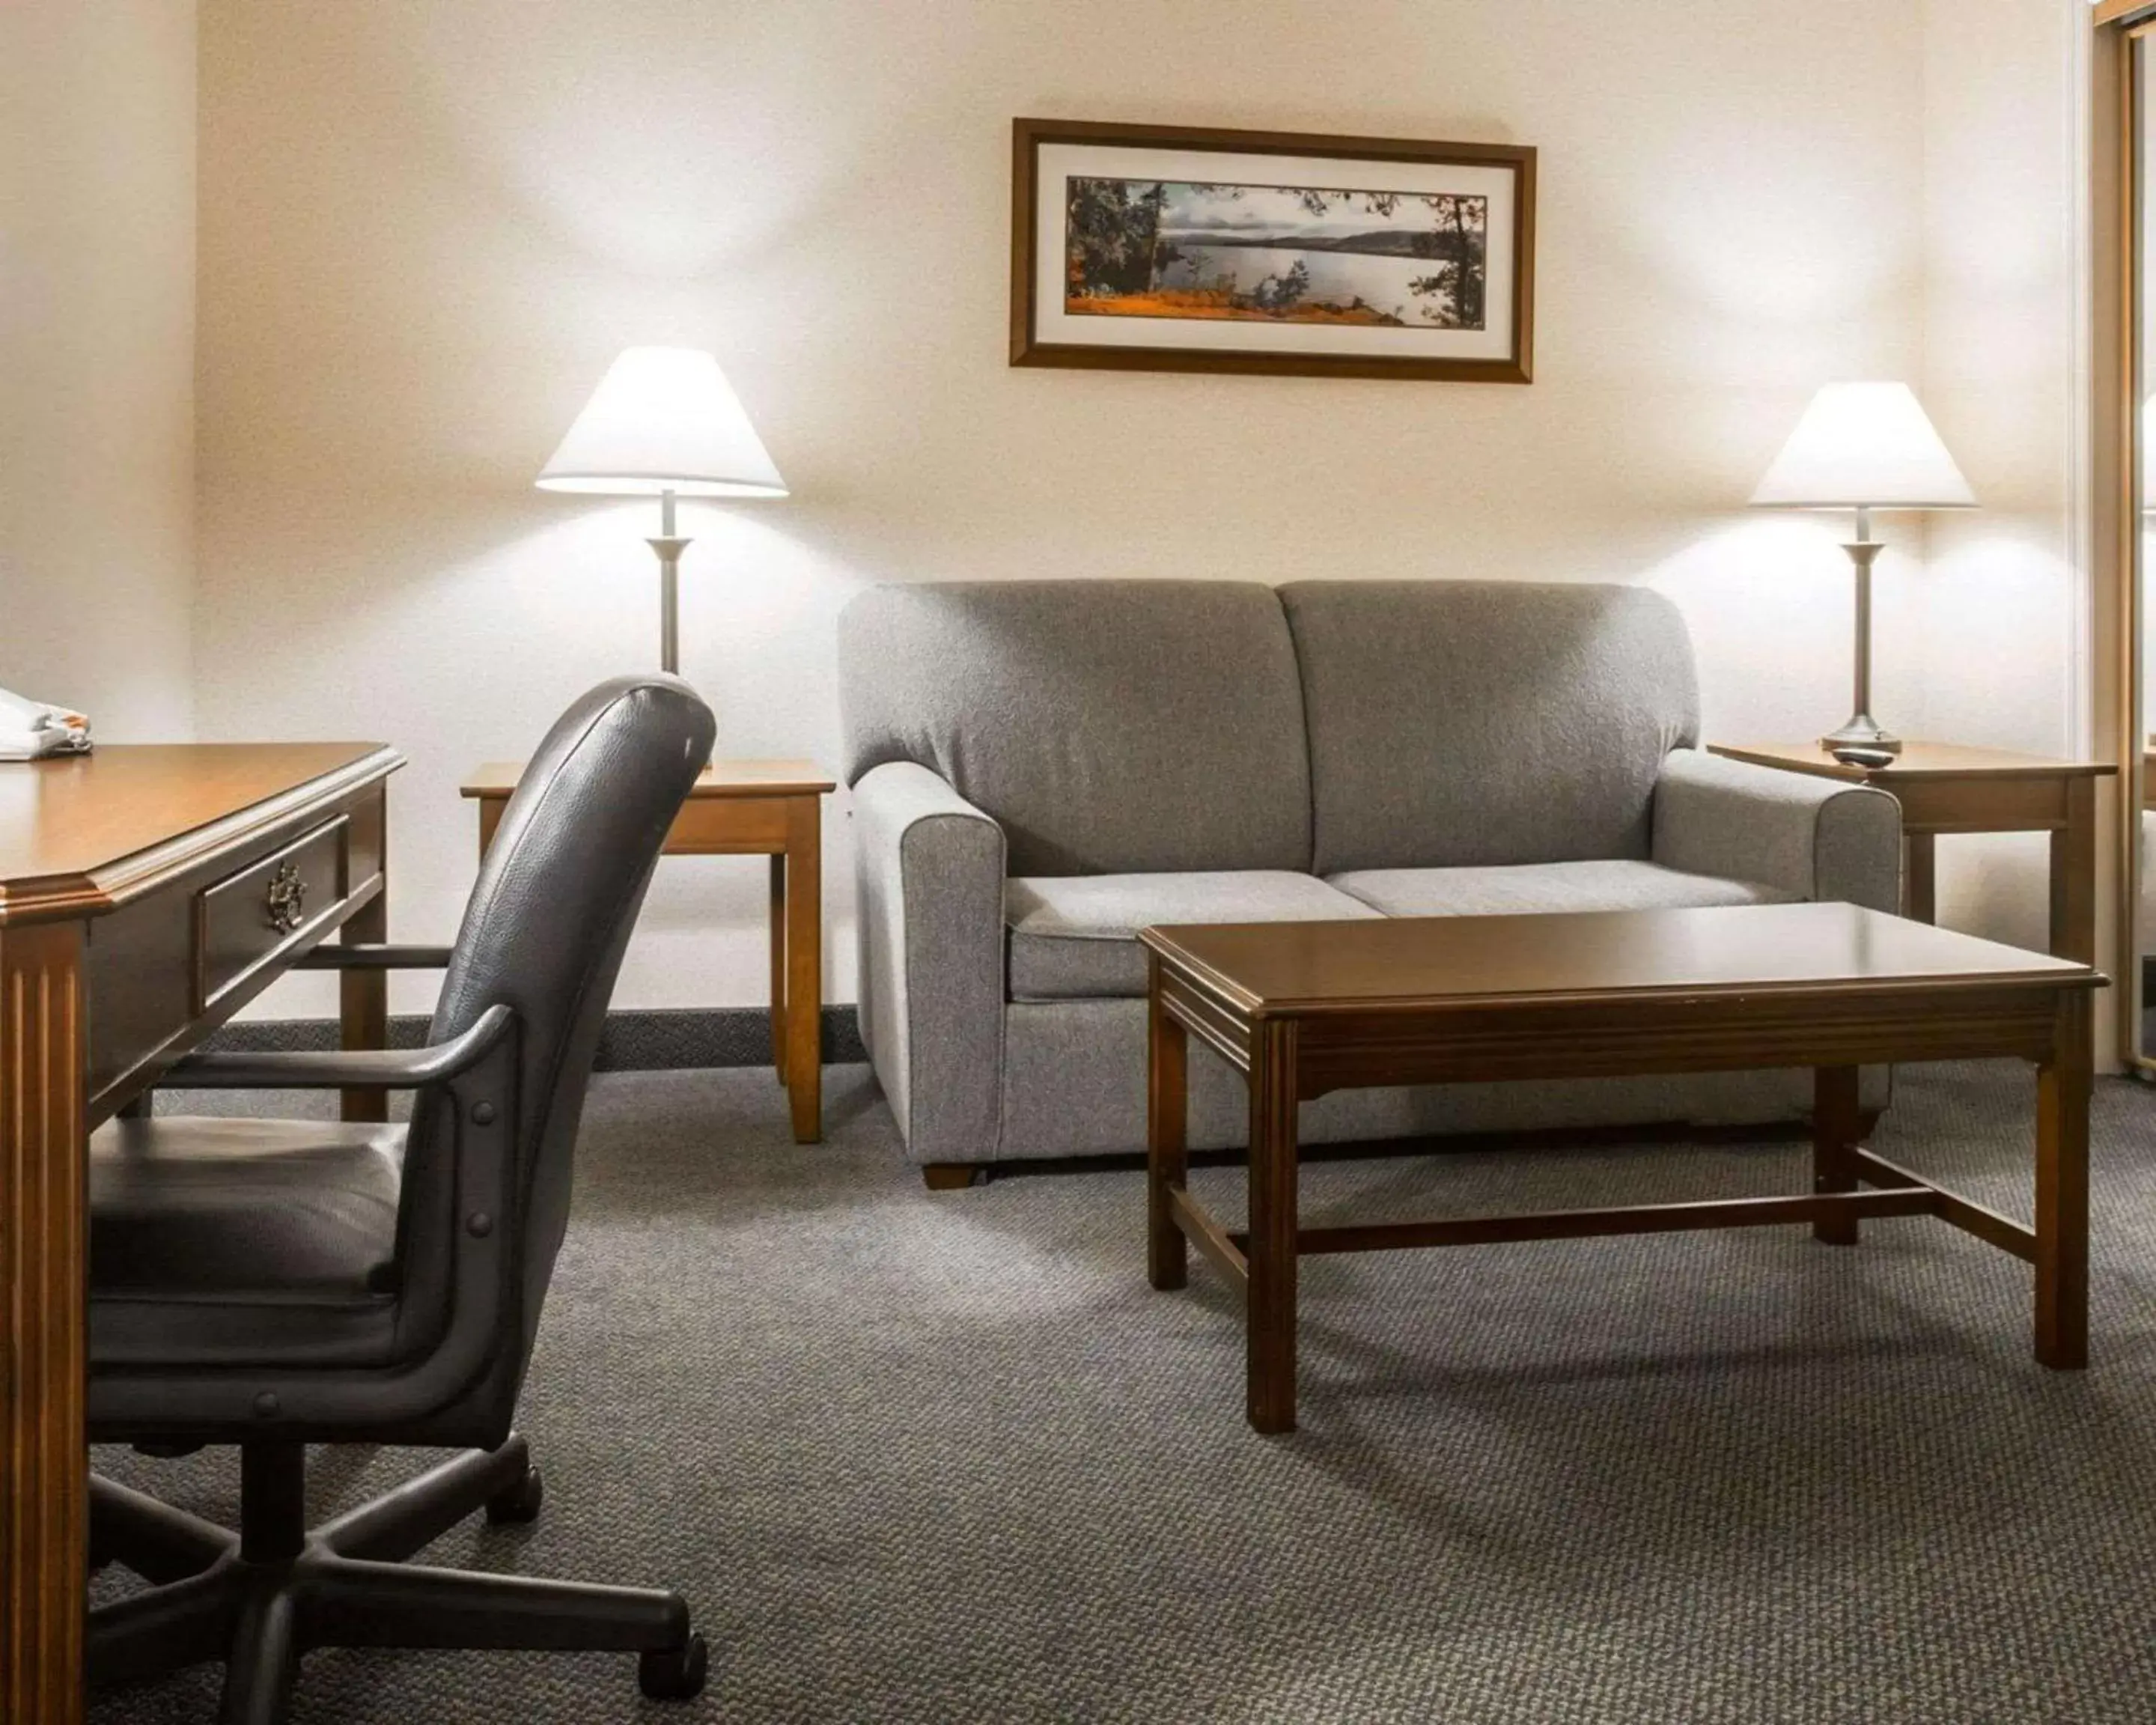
(1296,253)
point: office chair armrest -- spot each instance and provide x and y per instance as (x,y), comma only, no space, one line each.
(344,1069)
(373,955)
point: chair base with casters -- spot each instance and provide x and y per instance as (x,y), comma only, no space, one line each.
(258,1598)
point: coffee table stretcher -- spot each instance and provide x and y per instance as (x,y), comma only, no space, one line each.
(1289,1058)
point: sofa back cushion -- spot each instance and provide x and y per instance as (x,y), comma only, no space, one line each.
(1111,726)
(1458,723)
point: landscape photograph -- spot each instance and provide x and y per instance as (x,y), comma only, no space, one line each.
(1207,250)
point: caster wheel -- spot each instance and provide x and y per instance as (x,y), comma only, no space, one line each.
(519,1503)
(673,1674)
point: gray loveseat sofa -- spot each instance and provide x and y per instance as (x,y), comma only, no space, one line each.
(1039,769)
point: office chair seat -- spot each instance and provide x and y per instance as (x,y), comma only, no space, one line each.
(217,1242)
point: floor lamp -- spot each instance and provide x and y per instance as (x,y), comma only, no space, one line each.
(663,423)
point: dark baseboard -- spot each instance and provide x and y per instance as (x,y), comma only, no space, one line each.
(647,1041)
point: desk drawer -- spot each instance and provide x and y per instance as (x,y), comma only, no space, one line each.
(252,919)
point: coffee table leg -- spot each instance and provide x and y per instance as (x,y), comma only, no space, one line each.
(2062,1122)
(1835,1128)
(1168,1124)
(1271,1312)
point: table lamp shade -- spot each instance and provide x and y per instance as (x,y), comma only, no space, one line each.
(663,419)
(1864,446)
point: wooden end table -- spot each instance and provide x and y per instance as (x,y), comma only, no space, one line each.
(772,808)
(1945,787)
(1306,1008)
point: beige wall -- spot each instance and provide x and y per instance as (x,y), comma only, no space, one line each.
(97,300)
(425,230)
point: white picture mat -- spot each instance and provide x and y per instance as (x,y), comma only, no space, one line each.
(1057,164)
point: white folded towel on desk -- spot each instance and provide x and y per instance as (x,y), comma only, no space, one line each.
(30,729)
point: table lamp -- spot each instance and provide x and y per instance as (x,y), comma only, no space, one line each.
(1864,446)
(663,423)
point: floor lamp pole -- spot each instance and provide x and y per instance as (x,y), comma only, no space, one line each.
(670,549)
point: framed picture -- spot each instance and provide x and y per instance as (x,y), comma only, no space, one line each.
(1174,249)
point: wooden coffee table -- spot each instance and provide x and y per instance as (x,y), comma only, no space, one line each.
(1306,1008)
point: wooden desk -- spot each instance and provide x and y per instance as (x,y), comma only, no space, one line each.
(1304,1008)
(1944,787)
(772,808)
(147,894)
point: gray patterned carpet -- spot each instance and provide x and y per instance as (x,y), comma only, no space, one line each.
(921,1457)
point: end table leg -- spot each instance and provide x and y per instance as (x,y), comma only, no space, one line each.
(2073,876)
(1920,887)
(1836,1127)
(778,965)
(804,968)
(1270,1305)
(1167,1127)
(2062,1124)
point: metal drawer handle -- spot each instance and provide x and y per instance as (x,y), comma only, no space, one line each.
(287,898)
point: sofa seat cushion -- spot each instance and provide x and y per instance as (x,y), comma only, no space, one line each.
(1532,888)
(1075,938)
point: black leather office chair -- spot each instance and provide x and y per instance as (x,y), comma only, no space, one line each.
(272,1284)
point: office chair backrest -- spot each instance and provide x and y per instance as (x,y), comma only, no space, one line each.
(543,935)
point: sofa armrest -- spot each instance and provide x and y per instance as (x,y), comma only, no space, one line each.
(931,878)
(1810,837)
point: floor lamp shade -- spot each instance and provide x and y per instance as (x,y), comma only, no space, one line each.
(663,419)
(1864,446)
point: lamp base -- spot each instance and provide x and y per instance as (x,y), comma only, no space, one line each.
(1862,731)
